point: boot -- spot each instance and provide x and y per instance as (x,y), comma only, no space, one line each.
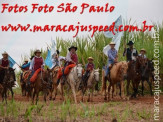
(58,81)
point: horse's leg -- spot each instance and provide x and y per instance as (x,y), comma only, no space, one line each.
(34,93)
(120,92)
(109,90)
(62,91)
(104,83)
(127,87)
(92,95)
(150,86)
(142,88)
(37,97)
(113,91)
(12,93)
(73,91)
(55,92)
(122,89)
(88,100)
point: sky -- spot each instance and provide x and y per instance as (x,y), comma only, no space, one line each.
(20,43)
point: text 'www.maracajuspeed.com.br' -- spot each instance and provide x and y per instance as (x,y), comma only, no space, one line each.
(76,28)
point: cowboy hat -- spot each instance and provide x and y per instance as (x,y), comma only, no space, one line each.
(5,53)
(130,43)
(143,50)
(37,51)
(112,43)
(90,58)
(73,47)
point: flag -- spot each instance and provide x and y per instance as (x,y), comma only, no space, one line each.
(53,47)
(11,62)
(48,60)
(118,22)
(115,38)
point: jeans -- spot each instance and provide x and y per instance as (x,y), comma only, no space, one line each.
(107,70)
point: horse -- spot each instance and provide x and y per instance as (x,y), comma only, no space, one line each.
(139,71)
(133,75)
(146,70)
(42,83)
(118,74)
(73,80)
(54,84)
(8,82)
(91,82)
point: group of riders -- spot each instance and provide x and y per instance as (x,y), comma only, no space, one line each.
(70,61)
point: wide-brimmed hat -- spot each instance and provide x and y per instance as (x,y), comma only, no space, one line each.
(37,51)
(130,43)
(143,50)
(112,43)
(90,58)
(4,53)
(73,47)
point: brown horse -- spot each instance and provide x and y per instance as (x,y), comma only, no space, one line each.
(23,82)
(7,83)
(118,74)
(54,84)
(42,83)
(139,71)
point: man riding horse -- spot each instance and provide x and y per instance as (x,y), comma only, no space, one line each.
(4,64)
(36,63)
(112,58)
(71,61)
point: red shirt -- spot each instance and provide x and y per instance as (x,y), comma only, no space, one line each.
(74,57)
(90,66)
(37,63)
(5,63)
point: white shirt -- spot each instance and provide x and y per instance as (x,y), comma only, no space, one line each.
(59,62)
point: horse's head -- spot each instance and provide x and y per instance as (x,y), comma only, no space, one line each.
(79,70)
(48,76)
(123,69)
(10,74)
(96,74)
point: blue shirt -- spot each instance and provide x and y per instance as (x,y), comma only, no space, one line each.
(112,54)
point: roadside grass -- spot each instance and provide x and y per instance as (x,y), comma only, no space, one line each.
(67,111)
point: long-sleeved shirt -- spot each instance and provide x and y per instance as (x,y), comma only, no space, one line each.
(112,54)
(33,63)
(130,54)
(71,57)
(58,61)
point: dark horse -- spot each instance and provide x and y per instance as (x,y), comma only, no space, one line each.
(7,83)
(42,83)
(139,70)
(146,70)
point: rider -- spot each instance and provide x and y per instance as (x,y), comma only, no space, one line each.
(4,64)
(131,53)
(71,61)
(112,58)
(56,59)
(142,53)
(88,67)
(36,63)
(25,65)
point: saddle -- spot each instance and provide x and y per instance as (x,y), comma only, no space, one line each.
(33,78)
(25,75)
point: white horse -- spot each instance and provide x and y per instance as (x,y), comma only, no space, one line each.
(74,79)
(92,80)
